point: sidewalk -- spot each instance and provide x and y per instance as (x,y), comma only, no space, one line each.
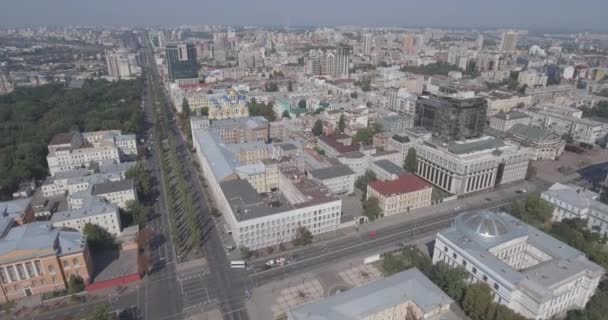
(504,193)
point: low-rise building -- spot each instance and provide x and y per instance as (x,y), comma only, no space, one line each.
(505,102)
(386,170)
(69,151)
(405,295)
(461,167)
(93,211)
(504,121)
(19,210)
(395,123)
(401,195)
(335,146)
(562,121)
(542,144)
(36,258)
(117,192)
(338,179)
(527,270)
(532,79)
(570,202)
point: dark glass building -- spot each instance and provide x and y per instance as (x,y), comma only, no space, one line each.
(450,118)
(181,61)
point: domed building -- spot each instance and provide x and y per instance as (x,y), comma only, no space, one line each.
(529,271)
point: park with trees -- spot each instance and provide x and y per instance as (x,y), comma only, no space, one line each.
(30,117)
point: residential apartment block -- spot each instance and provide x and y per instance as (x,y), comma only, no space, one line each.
(528,271)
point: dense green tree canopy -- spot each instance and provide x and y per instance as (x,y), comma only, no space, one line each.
(30,117)
(439,68)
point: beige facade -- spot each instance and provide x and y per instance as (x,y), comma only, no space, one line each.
(43,261)
(401,195)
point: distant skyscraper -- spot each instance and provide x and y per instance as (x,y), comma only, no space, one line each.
(158,39)
(118,63)
(479,42)
(409,46)
(419,42)
(451,118)
(367,43)
(342,62)
(181,61)
(508,42)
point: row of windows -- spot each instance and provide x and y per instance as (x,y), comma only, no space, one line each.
(21,271)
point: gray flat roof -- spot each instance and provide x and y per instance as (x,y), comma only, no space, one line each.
(512,115)
(532,133)
(389,167)
(38,237)
(95,206)
(112,186)
(360,302)
(220,159)
(476,232)
(332,172)
(247,204)
(477,145)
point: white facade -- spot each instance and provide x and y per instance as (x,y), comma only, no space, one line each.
(472,165)
(581,130)
(571,202)
(81,149)
(528,271)
(282,227)
(98,213)
(532,79)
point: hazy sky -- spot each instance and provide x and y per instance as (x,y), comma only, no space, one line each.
(569,14)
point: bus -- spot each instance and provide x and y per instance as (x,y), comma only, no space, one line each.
(237,264)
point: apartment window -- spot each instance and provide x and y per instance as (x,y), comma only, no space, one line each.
(454,255)
(445,248)
(51,269)
(485,278)
(496,286)
(66,264)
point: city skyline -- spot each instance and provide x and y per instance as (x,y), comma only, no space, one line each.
(542,14)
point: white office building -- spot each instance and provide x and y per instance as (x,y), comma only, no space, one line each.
(565,121)
(570,202)
(262,220)
(528,271)
(461,167)
(338,179)
(69,151)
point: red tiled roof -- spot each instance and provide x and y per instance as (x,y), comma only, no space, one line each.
(406,183)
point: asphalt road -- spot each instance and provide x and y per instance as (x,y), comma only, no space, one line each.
(227,284)
(387,238)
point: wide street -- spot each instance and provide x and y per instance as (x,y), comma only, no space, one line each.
(172,291)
